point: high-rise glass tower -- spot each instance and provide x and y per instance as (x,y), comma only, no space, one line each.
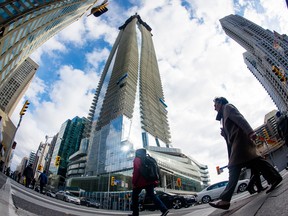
(266,55)
(26,25)
(67,143)
(129,112)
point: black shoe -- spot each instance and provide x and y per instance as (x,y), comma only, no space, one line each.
(165,213)
(262,189)
(250,189)
(220,204)
(274,184)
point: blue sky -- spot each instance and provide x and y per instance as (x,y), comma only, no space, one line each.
(197,62)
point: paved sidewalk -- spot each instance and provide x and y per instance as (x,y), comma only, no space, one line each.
(262,204)
(6,204)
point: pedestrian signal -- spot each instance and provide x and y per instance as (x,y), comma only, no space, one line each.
(24,108)
(178,182)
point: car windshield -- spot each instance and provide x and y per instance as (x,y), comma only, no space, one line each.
(69,194)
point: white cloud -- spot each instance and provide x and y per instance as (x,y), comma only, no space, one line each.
(197,62)
(97,57)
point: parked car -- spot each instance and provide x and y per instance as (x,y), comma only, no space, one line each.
(50,194)
(169,199)
(214,191)
(89,202)
(67,197)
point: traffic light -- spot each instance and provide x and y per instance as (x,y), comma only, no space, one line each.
(24,108)
(112,181)
(279,72)
(14,145)
(39,167)
(219,170)
(178,182)
(100,9)
(57,160)
(266,133)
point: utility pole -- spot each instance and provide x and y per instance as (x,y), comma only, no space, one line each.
(8,152)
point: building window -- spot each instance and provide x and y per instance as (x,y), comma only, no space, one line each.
(3,14)
(11,9)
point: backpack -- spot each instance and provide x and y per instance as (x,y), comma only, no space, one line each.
(149,168)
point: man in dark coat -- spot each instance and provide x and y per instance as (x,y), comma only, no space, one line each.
(29,174)
(139,183)
(242,152)
(43,181)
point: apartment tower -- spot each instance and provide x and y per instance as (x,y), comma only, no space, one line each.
(265,56)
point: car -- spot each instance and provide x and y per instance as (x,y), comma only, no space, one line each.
(89,202)
(169,199)
(214,191)
(67,197)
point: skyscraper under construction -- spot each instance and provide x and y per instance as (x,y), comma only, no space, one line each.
(266,55)
(129,112)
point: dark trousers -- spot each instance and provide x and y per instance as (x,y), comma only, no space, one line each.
(255,180)
(149,192)
(41,187)
(28,181)
(259,165)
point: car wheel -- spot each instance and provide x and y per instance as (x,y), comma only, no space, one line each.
(177,204)
(242,187)
(206,199)
(65,199)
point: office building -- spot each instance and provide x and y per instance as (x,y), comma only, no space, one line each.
(16,85)
(265,56)
(26,25)
(32,157)
(67,143)
(129,112)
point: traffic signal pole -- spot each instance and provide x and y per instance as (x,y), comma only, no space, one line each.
(8,152)
(7,155)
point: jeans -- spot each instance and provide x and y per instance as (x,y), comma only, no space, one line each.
(149,192)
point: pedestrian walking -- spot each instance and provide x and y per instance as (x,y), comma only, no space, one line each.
(242,152)
(255,180)
(29,175)
(139,183)
(43,181)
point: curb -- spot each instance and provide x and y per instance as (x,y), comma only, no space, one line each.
(6,203)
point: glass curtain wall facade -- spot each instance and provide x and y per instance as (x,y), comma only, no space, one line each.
(67,143)
(129,112)
(26,25)
(266,55)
